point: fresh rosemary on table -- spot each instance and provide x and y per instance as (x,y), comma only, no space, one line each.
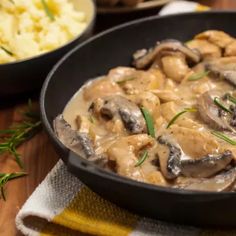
(4,178)
(11,138)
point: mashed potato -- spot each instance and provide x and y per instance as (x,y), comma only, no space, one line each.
(26,29)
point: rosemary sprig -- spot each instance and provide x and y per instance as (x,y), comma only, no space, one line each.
(230,98)
(142,158)
(172,121)
(224,137)
(149,122)
(11,138)
(125,80)
(91,119)
(47,10)
(4,178)
(197,76)
(220,105)
(7,51)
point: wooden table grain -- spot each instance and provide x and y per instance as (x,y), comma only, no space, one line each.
(38,155)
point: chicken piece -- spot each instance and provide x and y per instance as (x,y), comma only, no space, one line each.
(124,155)
(144,81)
(230,49)
(100,88)
(170,109)
(148,100)
(133,81)
(194,143)
(219,38)
(208,50)
(165,95)
(121,73)
(156,177)
(175,67)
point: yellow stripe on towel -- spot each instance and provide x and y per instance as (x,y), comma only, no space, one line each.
(89,213)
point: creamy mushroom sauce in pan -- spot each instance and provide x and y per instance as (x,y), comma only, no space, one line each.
(169,119)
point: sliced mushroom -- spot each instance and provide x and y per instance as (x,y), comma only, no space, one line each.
(143,59)
(205,166)
(118,107)
(78,142)
(211,113)
(219,183)
(169,156)
(224,68)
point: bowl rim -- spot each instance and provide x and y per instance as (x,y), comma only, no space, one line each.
(96,170)
(85,30)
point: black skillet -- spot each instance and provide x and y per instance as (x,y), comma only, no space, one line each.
(95,57)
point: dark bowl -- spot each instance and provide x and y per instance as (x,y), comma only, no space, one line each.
(28,74)
(95,57)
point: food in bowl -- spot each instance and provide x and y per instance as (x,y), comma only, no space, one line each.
(31,28)
(169,120)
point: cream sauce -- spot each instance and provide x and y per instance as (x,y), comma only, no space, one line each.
(164,98)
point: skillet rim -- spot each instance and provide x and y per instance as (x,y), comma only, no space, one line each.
(96,170)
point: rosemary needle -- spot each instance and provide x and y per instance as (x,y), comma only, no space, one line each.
(224,137)
(172,121)
(220,105)
(231,98)
(4,178)
(13,137)
(197,76)
(149,122)
(142,159)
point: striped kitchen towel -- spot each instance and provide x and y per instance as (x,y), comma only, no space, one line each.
(62,206)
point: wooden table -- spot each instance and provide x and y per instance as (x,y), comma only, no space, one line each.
(39,156)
